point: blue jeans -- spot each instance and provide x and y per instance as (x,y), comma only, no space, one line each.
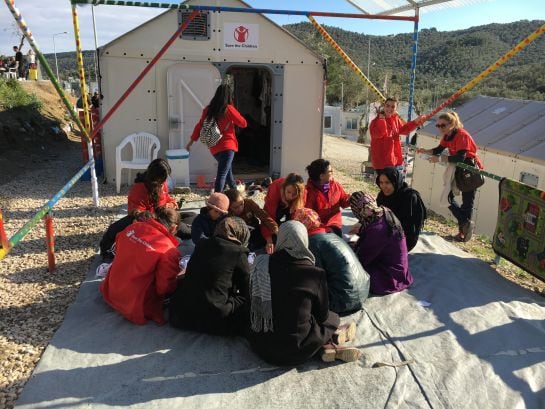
(225,170)
(464,212)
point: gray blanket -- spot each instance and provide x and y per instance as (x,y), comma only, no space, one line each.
(460,337)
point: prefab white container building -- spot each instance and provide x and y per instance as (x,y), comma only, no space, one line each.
(278,84)
(511,142)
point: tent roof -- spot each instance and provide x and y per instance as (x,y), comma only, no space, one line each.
(508,126)
(407,7)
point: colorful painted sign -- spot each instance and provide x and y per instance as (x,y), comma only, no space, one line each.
(241,36)
(520,230)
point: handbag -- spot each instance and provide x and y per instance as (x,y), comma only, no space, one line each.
(210,133)
(468,180)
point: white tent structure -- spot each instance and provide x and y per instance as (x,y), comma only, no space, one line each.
(511,142)
(280,88)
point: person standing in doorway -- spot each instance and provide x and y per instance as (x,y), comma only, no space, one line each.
(227,117)
(385,132)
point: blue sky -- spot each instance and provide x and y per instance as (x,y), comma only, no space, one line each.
(47,18)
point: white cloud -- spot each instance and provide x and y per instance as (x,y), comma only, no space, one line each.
(48,17)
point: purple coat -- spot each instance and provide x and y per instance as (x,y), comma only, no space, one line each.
(384,258)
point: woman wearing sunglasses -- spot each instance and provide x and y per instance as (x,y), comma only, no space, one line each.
(461,148)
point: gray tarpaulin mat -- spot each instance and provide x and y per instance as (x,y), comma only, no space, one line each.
(461,336)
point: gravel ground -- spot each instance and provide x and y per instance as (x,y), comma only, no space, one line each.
(33,301)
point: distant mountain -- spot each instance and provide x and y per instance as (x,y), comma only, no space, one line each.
(446,61)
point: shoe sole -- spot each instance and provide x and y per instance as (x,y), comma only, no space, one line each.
(345,355)
(346,335)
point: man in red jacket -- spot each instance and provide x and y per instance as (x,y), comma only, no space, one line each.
(325,195)
(145,267)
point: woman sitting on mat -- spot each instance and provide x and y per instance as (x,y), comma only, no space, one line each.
(284,197)
(212,295)
(405,202)
(289,305)
(145,267)
(381,247)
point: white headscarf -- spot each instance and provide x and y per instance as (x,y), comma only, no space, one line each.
(293,238)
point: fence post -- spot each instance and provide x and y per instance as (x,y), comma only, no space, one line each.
(50,241)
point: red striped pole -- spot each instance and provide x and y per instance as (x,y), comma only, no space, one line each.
(3,237)
(148,68)
(50,241)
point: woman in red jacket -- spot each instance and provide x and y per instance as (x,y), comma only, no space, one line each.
(150,189)
(325,195)
(284,197)
(385,132)
(227,117)
(461,148)
(145,267)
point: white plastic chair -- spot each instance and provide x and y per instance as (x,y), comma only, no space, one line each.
(145,147)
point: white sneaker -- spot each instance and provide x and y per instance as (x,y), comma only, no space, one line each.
(102,270)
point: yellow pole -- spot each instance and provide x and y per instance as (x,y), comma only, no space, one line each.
(346,58)
(86,116)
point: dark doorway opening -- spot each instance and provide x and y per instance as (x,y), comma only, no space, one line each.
(252,98)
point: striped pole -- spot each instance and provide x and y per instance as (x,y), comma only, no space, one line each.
(32,42)
(23,231)
(50,241)
(3,237)
(346,58)
(85,102)
(411,92)
(148,68)
(502,60)
(241,9)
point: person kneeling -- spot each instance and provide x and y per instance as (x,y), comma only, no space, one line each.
(145,267)
(212,295)
(289,307)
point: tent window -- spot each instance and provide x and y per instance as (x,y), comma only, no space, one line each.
(198,28)
(529,179)
(327,122)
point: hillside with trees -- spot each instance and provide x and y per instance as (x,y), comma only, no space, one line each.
(446,61)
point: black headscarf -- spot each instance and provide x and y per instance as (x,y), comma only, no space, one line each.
(405,203)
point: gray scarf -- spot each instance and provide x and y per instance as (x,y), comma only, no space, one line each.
(260,292)
(293,238)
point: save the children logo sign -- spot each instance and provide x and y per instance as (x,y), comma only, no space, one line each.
(241,36)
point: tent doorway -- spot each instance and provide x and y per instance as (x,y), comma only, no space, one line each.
(252,97)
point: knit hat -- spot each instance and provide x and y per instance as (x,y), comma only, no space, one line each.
(218,201)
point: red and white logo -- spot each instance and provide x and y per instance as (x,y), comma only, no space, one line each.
(241,34)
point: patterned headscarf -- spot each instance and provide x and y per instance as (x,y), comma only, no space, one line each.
(367,212)
(293,238)
(233,229)
(310,219)
(365,208)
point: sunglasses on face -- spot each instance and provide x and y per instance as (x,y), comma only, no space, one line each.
(441,126)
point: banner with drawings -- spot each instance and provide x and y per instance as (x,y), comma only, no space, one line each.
(520,229)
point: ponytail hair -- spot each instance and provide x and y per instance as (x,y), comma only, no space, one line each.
(167,216)
(452,118)
(156,174)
